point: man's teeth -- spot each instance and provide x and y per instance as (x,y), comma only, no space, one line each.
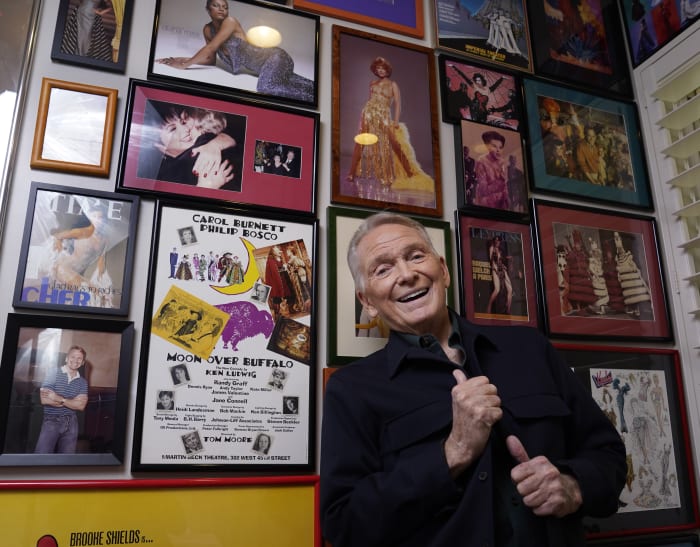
(413,295)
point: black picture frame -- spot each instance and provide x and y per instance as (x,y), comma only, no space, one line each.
(109,37)
(34,346)
(584,46)
(663,540)
(497,102)
(255,132)
(470,140)
(178,33)
(77,251)
(641,391)
(227,351)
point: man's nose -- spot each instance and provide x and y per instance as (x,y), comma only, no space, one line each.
(404,271)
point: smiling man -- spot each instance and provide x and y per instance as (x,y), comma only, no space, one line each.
(452,434)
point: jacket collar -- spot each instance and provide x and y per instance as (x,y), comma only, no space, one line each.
(399,349)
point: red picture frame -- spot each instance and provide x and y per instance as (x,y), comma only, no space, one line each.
(574,301)
(476,273)
(255,130)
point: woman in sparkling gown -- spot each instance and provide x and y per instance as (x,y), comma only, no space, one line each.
(391,160)
(226,39)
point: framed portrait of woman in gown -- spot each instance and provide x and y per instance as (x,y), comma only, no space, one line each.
(385,128)
(93,33)
(237,46)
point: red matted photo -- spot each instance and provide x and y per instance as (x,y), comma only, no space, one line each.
(601,274)
(496,272)
(183,142)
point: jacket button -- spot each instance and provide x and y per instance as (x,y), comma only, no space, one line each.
(483,475)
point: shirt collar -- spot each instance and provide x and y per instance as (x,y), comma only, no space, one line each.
(67,372)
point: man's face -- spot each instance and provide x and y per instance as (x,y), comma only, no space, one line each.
(404,281)
(75,359)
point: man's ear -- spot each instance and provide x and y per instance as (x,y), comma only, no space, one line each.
(445,271)
(371,310)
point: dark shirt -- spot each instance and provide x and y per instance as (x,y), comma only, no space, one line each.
(384,478)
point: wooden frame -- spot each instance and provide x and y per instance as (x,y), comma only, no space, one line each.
(497,101)
(74,128)
(465,28)
(483,152)
(565,115)
(178,34)
(649,28)
(402,16)
(77,251)
(589,53)
(142,511)
(350,336)
(475,238)
(108,43)
(400,167)
(641,391)
(601,274)
(215,345)
(34,347)
(254,133)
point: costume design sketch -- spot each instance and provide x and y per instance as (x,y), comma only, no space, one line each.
(636,402)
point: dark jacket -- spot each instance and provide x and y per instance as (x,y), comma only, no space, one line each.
(384,478)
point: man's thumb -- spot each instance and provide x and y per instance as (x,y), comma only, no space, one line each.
(516,449)
(459,375)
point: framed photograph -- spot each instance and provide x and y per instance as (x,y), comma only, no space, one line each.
(641,391)
(182,142)
(93,33)
(650,25)
(402,16)
(64,391)
(496,272)
(491,170)
(480,94)
(229,343)
(581,43)
(485,31)
(586,146)
(77,251)
(386,152)
(261,50)
(145,510)
(351,333)
(601,274)
(74,128)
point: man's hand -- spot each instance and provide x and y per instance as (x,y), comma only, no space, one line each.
(545,489)
(476,407)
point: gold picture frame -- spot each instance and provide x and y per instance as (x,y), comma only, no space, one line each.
(74,128)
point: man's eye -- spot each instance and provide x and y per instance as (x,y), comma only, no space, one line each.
(417,257)
(381,271)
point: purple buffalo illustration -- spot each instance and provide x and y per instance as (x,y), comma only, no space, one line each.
(246,321)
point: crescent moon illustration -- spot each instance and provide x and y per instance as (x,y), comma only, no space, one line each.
(249,278)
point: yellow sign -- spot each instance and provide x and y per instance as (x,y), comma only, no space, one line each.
(196,513)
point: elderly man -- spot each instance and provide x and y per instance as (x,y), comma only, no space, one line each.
(453,434)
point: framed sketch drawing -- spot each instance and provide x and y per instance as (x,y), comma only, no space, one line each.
(93,33)
(74,128)
(351,334)
(402,16)
(262,156)
(392,160)
(228,354)
(77,251)
(496,32)
(496,272)
(586,146)
(283,66)
(601,274)
(40,354)
(641,391)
